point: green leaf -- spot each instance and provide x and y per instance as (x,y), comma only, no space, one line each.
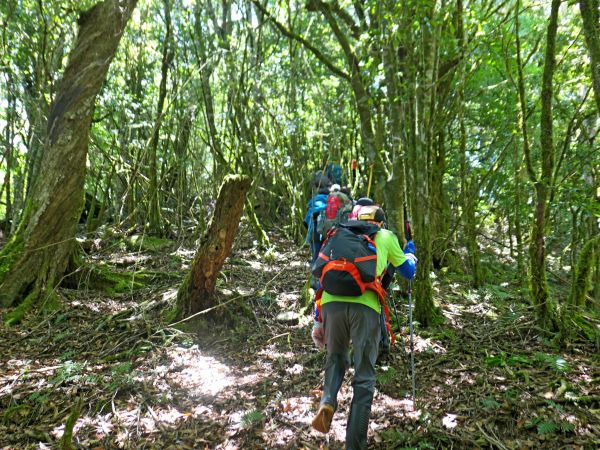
(549,427)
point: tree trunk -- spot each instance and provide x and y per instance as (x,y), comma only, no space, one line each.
(544,307)
(517,219)
(196,292)
(584,271)
(590,15)
(37,256)
(395,189)
(154,218)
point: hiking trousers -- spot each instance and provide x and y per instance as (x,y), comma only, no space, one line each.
(344,322)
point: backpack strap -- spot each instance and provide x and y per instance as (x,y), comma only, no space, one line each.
(386,311)
(317,311)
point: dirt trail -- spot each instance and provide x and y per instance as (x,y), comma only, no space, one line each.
(484,378)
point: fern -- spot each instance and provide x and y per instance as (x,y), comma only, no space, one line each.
(490,403)
(552,427)
(555,362)
(252,418)
(566,427)
(545,428)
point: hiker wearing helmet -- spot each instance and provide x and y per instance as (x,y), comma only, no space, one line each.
(350,266)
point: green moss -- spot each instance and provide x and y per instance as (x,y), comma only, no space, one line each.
(582,282)
(124,282)
(16,315)
(146,243)
(170,314)
(114,283)
(9,255)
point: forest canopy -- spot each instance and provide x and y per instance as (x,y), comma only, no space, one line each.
(125,123)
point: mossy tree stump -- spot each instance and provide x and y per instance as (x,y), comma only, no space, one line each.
(42,248)
(196,292)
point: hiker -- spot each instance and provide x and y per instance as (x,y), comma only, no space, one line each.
(317,203)
(341,319)
(363,204)
(363,201)
(337,210)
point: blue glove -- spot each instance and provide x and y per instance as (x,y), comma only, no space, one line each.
(409,267)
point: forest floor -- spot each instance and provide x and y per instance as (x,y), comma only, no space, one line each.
(105,366)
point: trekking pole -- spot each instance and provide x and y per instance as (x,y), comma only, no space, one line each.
(412,349)
(408,235)
(370,180)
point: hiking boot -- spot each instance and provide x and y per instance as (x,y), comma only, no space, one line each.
(322,421)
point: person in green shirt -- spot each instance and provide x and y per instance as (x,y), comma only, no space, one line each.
(357,320)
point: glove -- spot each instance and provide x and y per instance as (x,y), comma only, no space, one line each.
(318,335)
(411,257)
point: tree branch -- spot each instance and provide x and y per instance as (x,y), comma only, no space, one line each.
(290,34)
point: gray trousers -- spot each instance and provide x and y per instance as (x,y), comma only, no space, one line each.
(344,322)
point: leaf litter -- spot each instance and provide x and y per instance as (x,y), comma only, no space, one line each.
(485,378)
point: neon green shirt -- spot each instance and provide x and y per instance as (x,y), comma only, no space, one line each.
(388,251)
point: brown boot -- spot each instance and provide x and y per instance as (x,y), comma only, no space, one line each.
(322,421)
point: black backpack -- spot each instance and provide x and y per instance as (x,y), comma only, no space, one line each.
(347,262)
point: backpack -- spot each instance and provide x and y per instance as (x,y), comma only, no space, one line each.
(347,265)
(336,211)
(347,262)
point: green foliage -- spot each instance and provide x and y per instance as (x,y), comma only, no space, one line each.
(545,427)
(252,418)
(403,440)
(68,372)
(496,292)
(121,376)
(42,397)
(18,314)
(489,403)
(386,375)
(557,363)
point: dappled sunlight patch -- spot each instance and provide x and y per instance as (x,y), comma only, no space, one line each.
(197,373)
(285,299)
(169,295)
(385,405)
(449,421)
(104,305)
(425,345)
(129,259)
(453,313)
(272,352)
(483,309)
(296,369)
(257,265)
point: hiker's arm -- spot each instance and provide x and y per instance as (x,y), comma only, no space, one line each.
(405,261)
(409,267)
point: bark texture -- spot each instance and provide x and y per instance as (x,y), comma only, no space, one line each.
(196,292)
(36,258)
(543,304)
(590,15)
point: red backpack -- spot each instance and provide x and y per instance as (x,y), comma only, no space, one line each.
(333,205)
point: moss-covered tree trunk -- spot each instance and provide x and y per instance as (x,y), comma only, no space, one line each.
(543,304)
(590,15)
(196,292)
(154,217)
(587,262)
(38,255)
